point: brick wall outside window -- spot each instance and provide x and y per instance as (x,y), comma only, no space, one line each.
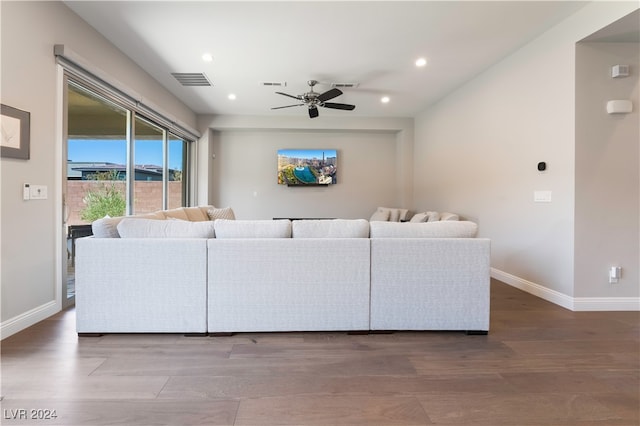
(147,196)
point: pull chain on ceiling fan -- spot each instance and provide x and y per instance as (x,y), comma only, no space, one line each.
(313,100)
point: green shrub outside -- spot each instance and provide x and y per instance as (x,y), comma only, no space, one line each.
(106,200)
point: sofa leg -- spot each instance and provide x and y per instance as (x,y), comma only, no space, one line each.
(90,334)
(205,334)
(476,332)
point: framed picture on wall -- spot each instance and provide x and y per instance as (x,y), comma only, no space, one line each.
(15,133)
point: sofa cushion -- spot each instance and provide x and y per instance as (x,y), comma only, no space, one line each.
(432,216)
(446,229)
(429,216)
(419,218)
(107,227)
(178,213)
(227,228)
(449,216)
(159,215)
(220,213)
(380,216)
(395,214)
(195,214)
(336,228)
(149,228)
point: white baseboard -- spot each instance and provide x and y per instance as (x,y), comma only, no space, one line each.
(27,319)
(606,304)
(568,302)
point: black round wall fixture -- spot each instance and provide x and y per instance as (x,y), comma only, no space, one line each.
(542,166)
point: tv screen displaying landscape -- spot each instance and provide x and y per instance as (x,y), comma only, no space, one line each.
(307,166)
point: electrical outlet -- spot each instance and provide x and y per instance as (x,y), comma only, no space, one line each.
(615,273)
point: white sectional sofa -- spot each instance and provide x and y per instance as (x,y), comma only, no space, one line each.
(227,276)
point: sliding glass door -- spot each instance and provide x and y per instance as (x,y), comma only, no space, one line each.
(117,162)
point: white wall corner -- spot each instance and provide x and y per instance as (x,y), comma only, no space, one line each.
(29,318)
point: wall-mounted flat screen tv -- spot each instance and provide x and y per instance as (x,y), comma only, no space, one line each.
(300,167)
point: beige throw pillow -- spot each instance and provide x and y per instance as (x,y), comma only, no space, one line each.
(419,217)
(380,216)
(222,213)
(449,216)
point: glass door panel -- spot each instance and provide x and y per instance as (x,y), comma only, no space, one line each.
(96,157)
(176,161)
(149,160)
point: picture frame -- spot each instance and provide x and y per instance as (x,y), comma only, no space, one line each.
(16,127)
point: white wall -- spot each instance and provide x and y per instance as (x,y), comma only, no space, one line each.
(374,165)
(607,172)
(478,149)
(31,258)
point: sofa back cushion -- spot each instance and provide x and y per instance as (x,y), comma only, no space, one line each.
(226,228)
(441,229)
(171,228)
(335,228)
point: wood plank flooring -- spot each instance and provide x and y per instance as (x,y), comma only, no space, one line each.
(539,365)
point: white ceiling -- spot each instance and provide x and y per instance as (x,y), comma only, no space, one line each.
(374,44)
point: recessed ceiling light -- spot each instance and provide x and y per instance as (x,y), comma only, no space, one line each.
(421,62)
(385,99)
(231,96)
(207,57)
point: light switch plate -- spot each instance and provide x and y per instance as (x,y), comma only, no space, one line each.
(39,192)
(542,196)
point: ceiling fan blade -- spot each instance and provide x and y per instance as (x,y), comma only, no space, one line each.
(338,106)
(313,112)
(287,106)
(329,94)
(291,96)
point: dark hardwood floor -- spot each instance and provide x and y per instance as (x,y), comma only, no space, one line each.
(539,365)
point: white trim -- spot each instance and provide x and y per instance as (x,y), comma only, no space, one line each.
(606,304)
(568,302)
(552,296)
(27,319)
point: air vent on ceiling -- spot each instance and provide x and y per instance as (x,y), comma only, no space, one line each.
(345,85)
(191,78)
(275,83)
